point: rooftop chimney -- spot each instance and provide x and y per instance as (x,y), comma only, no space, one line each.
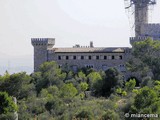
(91,44)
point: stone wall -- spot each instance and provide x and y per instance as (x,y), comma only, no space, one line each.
(152,30)
(100,63)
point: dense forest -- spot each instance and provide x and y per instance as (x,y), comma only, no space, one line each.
(55,93)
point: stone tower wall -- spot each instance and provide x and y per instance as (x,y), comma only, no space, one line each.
(41,46)
(141,16)
(152,30)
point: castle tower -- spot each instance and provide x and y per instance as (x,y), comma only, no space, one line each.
(141,15)
(41,46)
(139,9)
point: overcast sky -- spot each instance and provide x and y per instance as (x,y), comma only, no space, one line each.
(69,21)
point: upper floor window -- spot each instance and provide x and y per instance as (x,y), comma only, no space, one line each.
(59,58)
(112,57)
(105,57)
(82,57)
(97,57)
(67,57)
(89,57)
(74,57)
(120,57)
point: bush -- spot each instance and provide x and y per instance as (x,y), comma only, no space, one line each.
(8,116)
(85,114)
(110,115)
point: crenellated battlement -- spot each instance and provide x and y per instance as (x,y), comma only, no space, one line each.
(39,41)
(152,24)
(139,38)
(50,42)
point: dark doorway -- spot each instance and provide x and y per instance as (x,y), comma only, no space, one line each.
(137,81)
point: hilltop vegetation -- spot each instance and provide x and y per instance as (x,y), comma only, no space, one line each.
(61,94)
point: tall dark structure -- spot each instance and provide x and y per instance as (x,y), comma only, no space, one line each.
(139,9)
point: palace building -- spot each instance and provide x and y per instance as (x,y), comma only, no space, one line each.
(99,58)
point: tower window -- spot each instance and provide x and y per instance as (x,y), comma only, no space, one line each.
(105,57)
(112,57)
(82,57)
(59,58)
(120,57)
(97,57)
(89,57)
(67,57)
(74,57)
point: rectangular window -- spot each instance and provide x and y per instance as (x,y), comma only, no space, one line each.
(89,66)
(97,57)
(59,58)
(89,57)
(105,57)
(112,57)
(67,57)
(82,57)
(120,57)
(74,57)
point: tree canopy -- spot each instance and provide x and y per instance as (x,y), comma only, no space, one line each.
(56,94)
(6,103)
(146,58)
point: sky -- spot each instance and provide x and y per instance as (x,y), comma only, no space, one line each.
(70,22)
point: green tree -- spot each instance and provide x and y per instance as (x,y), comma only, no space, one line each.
(18,85)
(81,77)
(70,75)
(110,115)
(55,106)
(93,78)
(157,87)
(7,104)
(84,86)
(68,90)
(39,81)
(85,114)
(111,80)
(130,85)
(146,58)
(147,81)
(145,100)
(51,75)
(53,90)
